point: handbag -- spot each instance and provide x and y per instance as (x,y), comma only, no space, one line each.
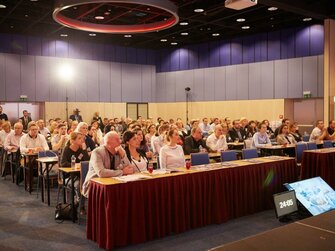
(64,211)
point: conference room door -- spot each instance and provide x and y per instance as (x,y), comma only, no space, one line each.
(134,110)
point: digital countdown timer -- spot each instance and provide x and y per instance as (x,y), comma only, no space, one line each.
(285,203)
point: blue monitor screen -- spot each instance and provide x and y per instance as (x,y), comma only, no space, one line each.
(314,194)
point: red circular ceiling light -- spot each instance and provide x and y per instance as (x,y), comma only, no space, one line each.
(120,16)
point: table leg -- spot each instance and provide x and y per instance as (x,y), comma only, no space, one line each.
(64,191)
(72,198)
(42,181)
(48,185)
(31,174)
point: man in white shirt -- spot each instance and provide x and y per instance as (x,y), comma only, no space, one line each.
(205,127)
(319,132)
(33,140)
(42,129)
(58,141)
(12,141)
(216,142)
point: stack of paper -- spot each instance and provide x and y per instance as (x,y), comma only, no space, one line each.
(133,177)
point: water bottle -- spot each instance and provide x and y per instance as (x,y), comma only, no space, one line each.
(200,148)
(73,162)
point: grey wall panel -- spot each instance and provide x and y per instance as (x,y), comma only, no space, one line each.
(104,81)
(255,81)
(2,77)
(42,78)
(146,83)
(220,83)
(160,87)
(28,78)
(231,82)
(267,80)
(116,82)
(12,77)
(170,87)
(198,94)
(131,83)
(153,84)
(280,78)
(320,76)
(310,75)
(209,90)
(242,80)
(92,70)
(295,78)
(183,79)
(67,86)
(80,81)
(54,79)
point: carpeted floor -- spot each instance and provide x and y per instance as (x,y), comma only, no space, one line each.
(28,224)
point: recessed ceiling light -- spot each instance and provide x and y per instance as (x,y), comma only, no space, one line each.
(199,10)
(127,35)
(240,20)
(92,34)
(184,33)
(272,8)
(245,27)
(163,40)
(63,35)
(307,19)
(26,15)
(216,34)
(2,6)
(107,13)
(174,43)
(12,26)
(99,18)
(33,0)
(183,23)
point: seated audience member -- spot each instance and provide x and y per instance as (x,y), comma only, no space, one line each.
(33,140)
(269,130)
(244,125)
(108,160)
(216,142)
(76,116)
(284,137)
(194,143)
(73,126)
(99,135)
(159,141)
(135,156)
(98,119)
(59,140)
(205,127)
(171,155)
(236,133)
(252,129)
(151,132)
(284,121)
(181,130)
(89,144)
(227,120)
(261,138)
(92,133)
(4,132)
(43,130)
(331,130)
(216,122)
(293,130)
(53,128)
(12,141)
(193,124)
(319,132)
(143,147)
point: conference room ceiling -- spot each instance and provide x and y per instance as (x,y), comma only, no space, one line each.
(34,18)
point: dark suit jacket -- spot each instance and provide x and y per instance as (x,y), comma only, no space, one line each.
(192,146)
(79,118)
(233,134)
(25,125)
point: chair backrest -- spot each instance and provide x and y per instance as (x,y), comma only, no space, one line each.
(47,153)
(228,156)
(249,153)
(327,144)
(83,172)
(42,154)
(299,149)
(312,146)
(199,158)
(305,138)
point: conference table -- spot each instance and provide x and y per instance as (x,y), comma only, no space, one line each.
(320,162)
(122,213)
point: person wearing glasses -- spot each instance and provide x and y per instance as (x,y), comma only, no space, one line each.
(260,138)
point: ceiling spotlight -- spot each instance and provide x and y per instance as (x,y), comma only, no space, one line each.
(245,27)
(2,6)
(12,26)
(216,34)
(107,13)
(26,15)
(92,34)
(184,33)
(272,8)
(99,18)
(63,35)
(198,10)
(174,43)
(33,0)
(240,20)
(127,35)
(183,23)
(163,40)
(307,19)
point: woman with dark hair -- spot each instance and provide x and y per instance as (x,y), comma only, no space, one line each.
(151,132)
(283,137)
(135,156)
(143,143)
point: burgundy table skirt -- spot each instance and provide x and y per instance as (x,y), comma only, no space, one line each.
(319,164)
(140,211)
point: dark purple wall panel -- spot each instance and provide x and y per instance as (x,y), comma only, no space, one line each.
(5,45)
(274,45)
(214,54)
(174,60)
(302,42)
(264,46)
(317,38)
(193,57)
(19,45)
(131,55)
(225,53)
(183,53)
(151,57)
(34,46)
(120,54)
(236,51)
(203,55)
(62,48)
(248,49)
(141,56)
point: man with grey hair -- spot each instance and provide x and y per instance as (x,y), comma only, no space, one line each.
(216,142)
(108,160)
(12,141)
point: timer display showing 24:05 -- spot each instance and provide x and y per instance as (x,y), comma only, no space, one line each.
(286,203)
